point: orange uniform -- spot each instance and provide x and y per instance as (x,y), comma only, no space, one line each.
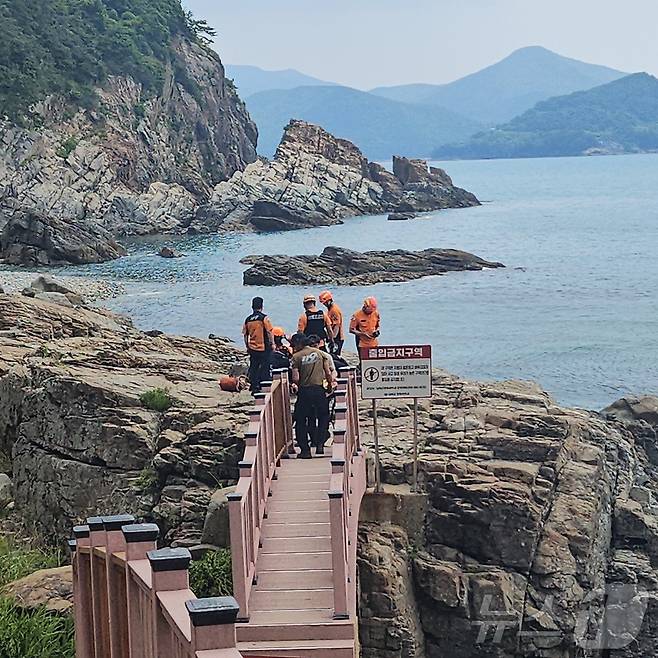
(368,323)
(335,315)
(257,331)
(315,322)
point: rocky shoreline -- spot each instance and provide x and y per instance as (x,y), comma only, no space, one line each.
(344,267)
(91,289)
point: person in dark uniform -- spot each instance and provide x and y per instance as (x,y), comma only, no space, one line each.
(259,341)
(315,322)
(310,371)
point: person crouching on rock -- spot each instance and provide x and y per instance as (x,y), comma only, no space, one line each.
(310,369)
(259,341)
(282,352)
(335,315)
(365,324)
(314,322)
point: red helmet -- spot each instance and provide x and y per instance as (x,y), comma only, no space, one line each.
(325,297)
(370,303)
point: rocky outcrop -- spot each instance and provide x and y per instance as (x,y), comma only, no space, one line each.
(340,266)
(135,163)
(51,589)
(82,442)
(315,175)
(541,521)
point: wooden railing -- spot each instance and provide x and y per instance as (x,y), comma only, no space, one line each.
(268,440)
(348,485)
(133,601)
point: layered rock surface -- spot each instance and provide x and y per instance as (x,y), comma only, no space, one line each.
(80,440)
(340,266)
(135,164)
(315,175)
(539,521)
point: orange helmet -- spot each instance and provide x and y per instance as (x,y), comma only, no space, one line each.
(370,303)
(278,332)
(326,296)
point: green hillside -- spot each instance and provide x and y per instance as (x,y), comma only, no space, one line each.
(378,126)
(619,117)
(67,46)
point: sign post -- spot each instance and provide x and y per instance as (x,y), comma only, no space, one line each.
(396,372)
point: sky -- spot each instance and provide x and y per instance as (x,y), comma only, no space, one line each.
(367,43)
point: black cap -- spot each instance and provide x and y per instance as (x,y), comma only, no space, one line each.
(81,531)
(72,545)
(217,611)
(140,532)
(95,523)
(169,559)
(111,523)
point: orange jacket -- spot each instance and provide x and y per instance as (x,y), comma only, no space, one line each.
(335,315)
(257,331)
(367,323)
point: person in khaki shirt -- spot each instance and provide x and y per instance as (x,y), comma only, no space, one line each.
(310,370)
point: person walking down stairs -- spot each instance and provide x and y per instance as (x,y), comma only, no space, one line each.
(259,341)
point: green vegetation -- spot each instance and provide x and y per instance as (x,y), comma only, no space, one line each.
(211,575)
(619,117)
(67,147)
(18,560)
(148,478)
(157,399)
(40,634)
(68,46)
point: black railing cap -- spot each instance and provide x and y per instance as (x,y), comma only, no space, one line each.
(234,496)
(218,611)
(251,435)
(335,494)
(140,532)
(95,523)
(260,396)
(116,522)
(269,382)
(340,431)
(341,407)
(338,462)
(169,559)
(245,464)
(72,545)
(81,531)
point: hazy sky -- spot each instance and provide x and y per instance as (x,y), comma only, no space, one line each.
(364,43)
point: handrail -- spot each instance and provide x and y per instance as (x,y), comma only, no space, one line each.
(133,600)
(348,484)
(267,441)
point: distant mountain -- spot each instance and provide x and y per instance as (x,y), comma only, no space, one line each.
(252,79)
(378,126)
(619,117)
(504,90)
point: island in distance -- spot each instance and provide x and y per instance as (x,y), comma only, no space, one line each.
(339,266)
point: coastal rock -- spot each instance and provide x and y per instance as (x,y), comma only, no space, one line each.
(540,519)
(6,491)
(168,252)
(401,216)
(34,239)
(341,266)
(51,589)
(137,163)
(216,529)
(315,175)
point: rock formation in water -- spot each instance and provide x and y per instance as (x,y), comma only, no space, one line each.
(537,520)
(317,179)
(134,164)
(345,267)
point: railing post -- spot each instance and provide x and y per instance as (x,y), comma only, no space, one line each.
(140,538)
(99,587)
(338,542)
(82,594)
(213,625)
(239,552)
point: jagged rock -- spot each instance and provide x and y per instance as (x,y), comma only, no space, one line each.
(633,410)
(51,589)
(341,266)
(29,238)
(315,174)
(140,163)
(168,252)
(268,216)
(45,283)
(401,216)
(539,517)
(216,529)
(6,491)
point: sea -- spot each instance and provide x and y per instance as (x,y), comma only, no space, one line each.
(575,309)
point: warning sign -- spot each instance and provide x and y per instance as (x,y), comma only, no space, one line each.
(396,371)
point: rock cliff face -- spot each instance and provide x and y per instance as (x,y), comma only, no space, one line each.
(340,266)
(134,164)
(320,176)
(79,439)
(540,536)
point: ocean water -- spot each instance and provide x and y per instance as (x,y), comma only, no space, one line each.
(576,308)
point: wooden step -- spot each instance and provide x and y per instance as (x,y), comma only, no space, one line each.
(299,649)
(298,505)
(303,545)
(317,625)
(307,579)
(310,483)
(291,560)
(300,495)
(291,599)
(316,516)
(294,530)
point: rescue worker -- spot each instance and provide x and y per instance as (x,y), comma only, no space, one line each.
(335,315)
(310,369)
(365,324)
(259,341)
(282,352)
(313,321)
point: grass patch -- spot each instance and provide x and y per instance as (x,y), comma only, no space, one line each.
(212,575)
(67,147)
(157,399)
(147,480)
(18,561)
(37,634)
